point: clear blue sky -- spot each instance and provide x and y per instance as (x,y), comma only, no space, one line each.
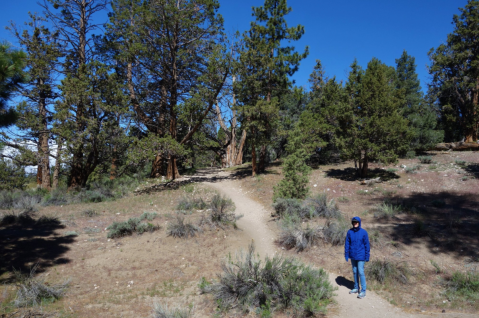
(336,31)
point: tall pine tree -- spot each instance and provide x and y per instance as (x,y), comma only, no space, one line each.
(422,118)
(455,71)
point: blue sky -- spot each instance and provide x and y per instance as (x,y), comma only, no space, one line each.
(336,31)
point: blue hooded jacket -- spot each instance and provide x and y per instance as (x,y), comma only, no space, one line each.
(356,246)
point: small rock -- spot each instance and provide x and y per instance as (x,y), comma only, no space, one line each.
(315,185)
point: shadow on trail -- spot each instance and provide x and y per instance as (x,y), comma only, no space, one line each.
(350,174)
(204,175)
(343,281)
(446,222)
(31,242)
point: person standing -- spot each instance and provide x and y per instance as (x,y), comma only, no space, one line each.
(357,249)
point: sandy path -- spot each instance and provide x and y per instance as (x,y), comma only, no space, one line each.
(254,223)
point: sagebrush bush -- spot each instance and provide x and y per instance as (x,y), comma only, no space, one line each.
(133,225)
(335,231)
(280,283)
(294,235)
(181,229)
(221,212)
(89,213)
(315,206)
(162,311)
(34,291)
(462,285)
(386,211)
(412,169)
(425,159)
(26,219)
(191,203)
(386,271)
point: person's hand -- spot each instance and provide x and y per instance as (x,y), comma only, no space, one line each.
(346,259)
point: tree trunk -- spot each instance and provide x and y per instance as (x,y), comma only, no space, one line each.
(253,159)
(43,140)
(239,153)
(113,164)
(39,175)
(172,172)
(262,159)
(363,172)
(58,162)
(157,167)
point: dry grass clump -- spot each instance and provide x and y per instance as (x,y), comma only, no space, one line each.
(425,159)
(387,272)
(26,219)
(462,287)
(162,311)
(34,291)
(279,284)
(295,236)
(133,225)
(182,229)
(387,211)
(89,213)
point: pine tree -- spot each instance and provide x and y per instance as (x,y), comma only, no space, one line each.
(455,71)
(375,129)
(295,170)
(422,118)
(263,71)
(39,93)
(12,63)
(175,65)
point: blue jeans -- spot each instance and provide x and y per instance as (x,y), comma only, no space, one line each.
(358,273)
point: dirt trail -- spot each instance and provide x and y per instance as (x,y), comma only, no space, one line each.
(254,223)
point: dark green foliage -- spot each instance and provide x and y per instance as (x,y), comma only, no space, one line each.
(386,271)
(12,63)
(34,291)
(421,116)
(455,74)
(462,285)
(133,225)
(295,171)
(280,283)
(11,176)
(385,135)
(181,229)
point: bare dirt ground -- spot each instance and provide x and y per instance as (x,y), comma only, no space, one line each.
(125,277)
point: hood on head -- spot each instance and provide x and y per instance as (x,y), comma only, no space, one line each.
(356,218)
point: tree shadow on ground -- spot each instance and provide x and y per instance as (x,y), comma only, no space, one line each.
(447,222)
(473,170)
(343,281)
(27,243)
(206,175)
(350,174)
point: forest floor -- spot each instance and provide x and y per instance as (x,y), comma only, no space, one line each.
(125,277)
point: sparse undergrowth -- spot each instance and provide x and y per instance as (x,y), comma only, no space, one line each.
(462,287)
(162,311)
(26,219)
(279,284)
(133,225)
(388,273)
(316,206)
(181,229)
(387,211)
(221,213)
(294,235)
(34,291)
